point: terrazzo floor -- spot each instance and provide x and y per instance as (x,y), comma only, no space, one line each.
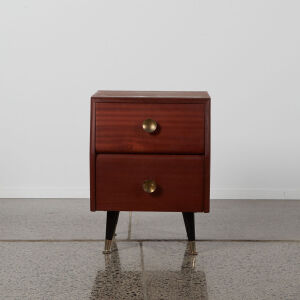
(52,249)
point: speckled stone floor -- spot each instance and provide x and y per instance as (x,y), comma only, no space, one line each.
(52,249)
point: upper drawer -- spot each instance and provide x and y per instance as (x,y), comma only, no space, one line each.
(119,128)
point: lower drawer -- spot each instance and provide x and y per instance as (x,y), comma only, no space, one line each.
(179,181)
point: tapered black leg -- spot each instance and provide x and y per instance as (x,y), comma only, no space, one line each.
(189,222)
(111,225)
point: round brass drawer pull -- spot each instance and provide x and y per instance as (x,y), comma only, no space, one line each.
(149,125)
(149,186)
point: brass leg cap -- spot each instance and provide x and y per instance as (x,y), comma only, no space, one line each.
(107,247)
(192,248)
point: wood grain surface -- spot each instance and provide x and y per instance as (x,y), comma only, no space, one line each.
(122,155)
(92,157)
(180,180)
(207,159)
(180,128)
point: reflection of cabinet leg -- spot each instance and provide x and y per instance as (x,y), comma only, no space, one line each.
(189,222)
(111,224)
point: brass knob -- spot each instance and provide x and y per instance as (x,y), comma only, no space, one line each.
(149,125)
(149,186)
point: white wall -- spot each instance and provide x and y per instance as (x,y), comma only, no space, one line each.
(55,54)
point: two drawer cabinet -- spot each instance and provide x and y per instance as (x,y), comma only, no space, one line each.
(150,151)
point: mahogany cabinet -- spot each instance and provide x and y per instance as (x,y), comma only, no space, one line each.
(150,151)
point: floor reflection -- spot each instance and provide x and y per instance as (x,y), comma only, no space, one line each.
(115,283)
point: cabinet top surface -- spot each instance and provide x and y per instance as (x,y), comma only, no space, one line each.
(151,95)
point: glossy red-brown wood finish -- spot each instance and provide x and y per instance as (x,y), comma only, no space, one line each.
(119,128)
(92,157)
(166,98)
(119,180)
(207,159)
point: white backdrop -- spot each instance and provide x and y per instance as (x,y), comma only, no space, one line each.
(55,54)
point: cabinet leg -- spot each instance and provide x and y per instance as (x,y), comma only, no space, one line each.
(111,224)
(189,222)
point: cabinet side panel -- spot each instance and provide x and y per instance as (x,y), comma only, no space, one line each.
(207,159)
(92,158)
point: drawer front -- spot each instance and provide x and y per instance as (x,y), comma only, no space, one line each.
(119,128)
(179,182)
